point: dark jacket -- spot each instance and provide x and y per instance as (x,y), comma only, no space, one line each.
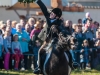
(46,29)
(79,39)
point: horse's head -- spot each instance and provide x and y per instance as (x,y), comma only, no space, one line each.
(66,42)
(62,42)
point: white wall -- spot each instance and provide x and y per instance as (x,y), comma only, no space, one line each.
(74,16)
(5,2)
(10,14)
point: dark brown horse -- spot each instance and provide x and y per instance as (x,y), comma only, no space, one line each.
(57,61)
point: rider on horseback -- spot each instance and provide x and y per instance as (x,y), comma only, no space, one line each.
(52,18)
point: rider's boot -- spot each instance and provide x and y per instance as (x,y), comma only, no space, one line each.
(38,69)
(70,58)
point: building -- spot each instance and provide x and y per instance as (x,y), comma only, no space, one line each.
(92,6)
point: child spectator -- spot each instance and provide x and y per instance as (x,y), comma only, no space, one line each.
(84,55)
(16,50)
(87,16)
(35,51)
(7,49)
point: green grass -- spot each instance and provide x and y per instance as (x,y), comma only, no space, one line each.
(75,72)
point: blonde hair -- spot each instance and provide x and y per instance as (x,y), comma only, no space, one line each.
(14,23)
(18,24)
(32,19)
(1,22)
(3,25)
(74,26)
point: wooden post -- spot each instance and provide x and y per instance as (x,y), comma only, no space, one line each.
(27,10)
(56,4)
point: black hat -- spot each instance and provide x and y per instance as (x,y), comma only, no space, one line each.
(57,11)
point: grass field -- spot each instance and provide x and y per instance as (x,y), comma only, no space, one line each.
(75,72)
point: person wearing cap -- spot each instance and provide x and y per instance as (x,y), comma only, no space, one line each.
(87,17)
(52,18)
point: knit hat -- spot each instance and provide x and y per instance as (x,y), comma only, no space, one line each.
(57,11)
(87,14)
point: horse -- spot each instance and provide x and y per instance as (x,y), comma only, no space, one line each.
(57,61)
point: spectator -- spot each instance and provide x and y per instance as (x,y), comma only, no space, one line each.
(7,49)
(1,49)
(88,32)
(3,28)
(9,23)
(74,27)
(87,17)
(89,24)
(27,29)
(23,39)
(80,37)
(80,21)
(97,36)
(31,22)
(84,55)
(1,22)
(13,27)
(8,28)
(68,27)
(22,22)
(35,51)
(16,50)
(30,48)
(37,29)
(97,59)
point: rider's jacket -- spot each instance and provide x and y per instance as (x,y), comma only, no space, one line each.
(50,22)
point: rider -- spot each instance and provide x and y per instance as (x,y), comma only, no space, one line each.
(52,18)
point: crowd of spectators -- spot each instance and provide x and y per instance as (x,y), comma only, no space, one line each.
(19,42)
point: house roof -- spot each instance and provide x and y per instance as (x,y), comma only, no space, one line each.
(89,4)
(23,6)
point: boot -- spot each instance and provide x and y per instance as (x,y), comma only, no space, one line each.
(38,69)
(70,58)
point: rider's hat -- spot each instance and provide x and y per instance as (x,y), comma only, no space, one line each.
(57,11)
